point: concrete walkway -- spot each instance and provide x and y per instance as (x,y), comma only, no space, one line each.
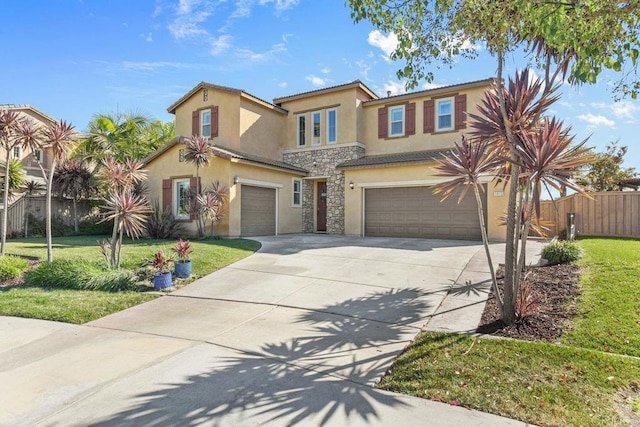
(297,333)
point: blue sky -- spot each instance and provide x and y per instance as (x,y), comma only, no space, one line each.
(73,59)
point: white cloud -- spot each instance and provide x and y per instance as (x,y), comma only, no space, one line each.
(431,85)
(387,44)
(252,56)
(364,68)
(147,37)
(220,44)
(190,14)
(394,88)
(596,120)
(150,66)
(624,110)
(325,70)
(316,81)
(282,85)
(281,5)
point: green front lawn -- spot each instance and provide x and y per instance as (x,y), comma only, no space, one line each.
(536,382)
(76,306)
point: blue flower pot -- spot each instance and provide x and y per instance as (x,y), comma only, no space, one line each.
(162,281)
(183,269)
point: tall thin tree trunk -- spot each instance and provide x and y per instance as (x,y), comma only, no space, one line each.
(48,213)
(5,210)
(75,215)
(26,215)
(114,242)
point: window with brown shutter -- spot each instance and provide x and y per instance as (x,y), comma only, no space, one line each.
(382,122)
(166,194)
(410,112)
(428,120)
(195,123)
(214,121)
(461,112)
(194,190)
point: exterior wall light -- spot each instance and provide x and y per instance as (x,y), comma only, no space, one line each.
(351,185)
(236,179)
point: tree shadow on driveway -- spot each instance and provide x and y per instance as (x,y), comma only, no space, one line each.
(322,377)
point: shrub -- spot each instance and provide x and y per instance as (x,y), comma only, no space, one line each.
(161,224)
(562,252)
(11,267)
(91,226)
(79,274)
(58,227)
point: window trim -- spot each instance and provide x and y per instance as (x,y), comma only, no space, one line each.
(316,142)
(176,199)
(329,140)
(390,133)
(304,142)
(203,113)
(13,152)
(437,127)
(294,192)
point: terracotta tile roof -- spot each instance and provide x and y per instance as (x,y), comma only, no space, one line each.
(450,88)
(355,83)
(205,85)
(390,159)
(227,153)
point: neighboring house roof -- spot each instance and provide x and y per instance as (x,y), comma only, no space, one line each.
(391,159)
(349,85)
(22,107)
(227,153)
(204,85)
(435,91)
(631,183)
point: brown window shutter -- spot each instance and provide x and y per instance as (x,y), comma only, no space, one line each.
(461,112)
(195,123)
(194,190)
(214,121)
(166,194)
(410,112)
(382,122)
(428,120)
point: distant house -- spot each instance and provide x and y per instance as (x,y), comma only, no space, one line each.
(339,160)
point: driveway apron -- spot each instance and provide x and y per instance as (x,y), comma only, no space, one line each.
(297,333)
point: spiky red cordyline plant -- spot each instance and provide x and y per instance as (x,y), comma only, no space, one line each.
(212,201)
(198,151)
(59,137)
(9,122)
(122,176)
(467,163)
(129,213)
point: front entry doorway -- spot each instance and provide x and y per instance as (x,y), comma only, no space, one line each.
(321,206)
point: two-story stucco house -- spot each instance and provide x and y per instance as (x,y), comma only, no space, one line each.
(339,160)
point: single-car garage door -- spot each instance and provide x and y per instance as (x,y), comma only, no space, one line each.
(417,212)
(258,211)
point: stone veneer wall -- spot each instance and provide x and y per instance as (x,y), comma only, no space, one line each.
(326,158)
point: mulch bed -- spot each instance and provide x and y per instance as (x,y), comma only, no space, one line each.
(556,290)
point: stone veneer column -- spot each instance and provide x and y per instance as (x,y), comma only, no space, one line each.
(326,159)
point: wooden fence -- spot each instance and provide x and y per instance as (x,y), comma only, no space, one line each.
(611,213)
(61,208)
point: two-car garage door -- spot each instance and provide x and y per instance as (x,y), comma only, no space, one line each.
(258,211)
(417,212)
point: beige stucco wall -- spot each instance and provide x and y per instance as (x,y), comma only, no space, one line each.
(262,130)
(402,176)
(228,115)
(420,141)
(167,166)
(347,104)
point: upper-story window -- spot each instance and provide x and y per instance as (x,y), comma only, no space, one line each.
(205,123)
(332,126)
(302,130)
(17,152)
(444,114)
(38,155)
(396,121)
(317,134)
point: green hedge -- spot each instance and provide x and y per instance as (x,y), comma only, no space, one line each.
(11,267)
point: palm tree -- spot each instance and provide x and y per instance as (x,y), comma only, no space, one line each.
(75,179)
(120,136)
(198,152)
(9,121)
(59,136)
(30,189)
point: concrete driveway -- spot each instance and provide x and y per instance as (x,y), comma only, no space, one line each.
(295,334)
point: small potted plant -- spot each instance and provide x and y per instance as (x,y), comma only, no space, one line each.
(162,279)
(182,249)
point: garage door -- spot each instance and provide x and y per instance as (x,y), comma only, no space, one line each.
(258,211)
(417,212)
